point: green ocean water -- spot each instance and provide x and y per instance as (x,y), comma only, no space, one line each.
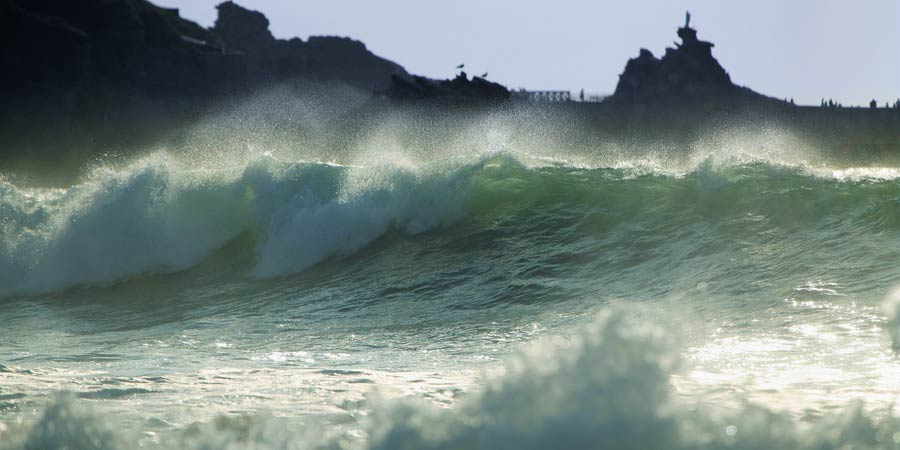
(731,303)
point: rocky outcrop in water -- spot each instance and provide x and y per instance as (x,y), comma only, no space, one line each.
(459,91)
(139,47)
(82,77)
(687,73)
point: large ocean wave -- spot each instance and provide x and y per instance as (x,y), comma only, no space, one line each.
(158,215)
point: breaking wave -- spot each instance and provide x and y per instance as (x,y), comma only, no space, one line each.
(160,216)
(156,217)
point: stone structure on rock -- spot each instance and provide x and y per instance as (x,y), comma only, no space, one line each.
(138,46)
(685,74)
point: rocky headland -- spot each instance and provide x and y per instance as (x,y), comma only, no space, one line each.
(687,74)
(89,77)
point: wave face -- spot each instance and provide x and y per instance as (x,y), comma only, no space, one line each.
(154,217)
(158,217)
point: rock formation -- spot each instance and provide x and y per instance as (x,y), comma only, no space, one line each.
(61,43)
(90,73)
(322,58)
(460,91)
(93,44)
(687,73)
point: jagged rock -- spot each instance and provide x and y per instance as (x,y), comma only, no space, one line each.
(139,48)
(322,58)
(242,29)
(460,91)
(119,72)
(685,74)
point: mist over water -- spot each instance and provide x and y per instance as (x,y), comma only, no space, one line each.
(319,274)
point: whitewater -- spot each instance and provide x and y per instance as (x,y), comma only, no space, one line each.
(492,297)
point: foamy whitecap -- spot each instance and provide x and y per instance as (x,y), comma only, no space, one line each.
(609,387)
(155,216)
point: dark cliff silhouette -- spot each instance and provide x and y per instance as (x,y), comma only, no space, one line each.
(323,58)
(686,74)
(81,75)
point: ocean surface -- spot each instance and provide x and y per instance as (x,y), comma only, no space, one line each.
(482,300)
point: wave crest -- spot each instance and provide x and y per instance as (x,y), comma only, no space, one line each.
(158,216)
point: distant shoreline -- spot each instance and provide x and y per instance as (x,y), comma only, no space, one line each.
(81,88)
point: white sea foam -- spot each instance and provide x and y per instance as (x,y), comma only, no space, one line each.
(891,306)
(147,218)
(372,200)
(608,388)
(157,216)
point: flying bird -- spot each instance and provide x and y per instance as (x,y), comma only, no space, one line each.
(484,75)
(460,66)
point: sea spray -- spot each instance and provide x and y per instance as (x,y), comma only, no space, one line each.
(891,307)
(608,386)
(155,216)
(371,201)
(159,216)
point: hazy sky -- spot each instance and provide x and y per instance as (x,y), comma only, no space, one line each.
(805,49)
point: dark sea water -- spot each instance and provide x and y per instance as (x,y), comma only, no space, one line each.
(495,300)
